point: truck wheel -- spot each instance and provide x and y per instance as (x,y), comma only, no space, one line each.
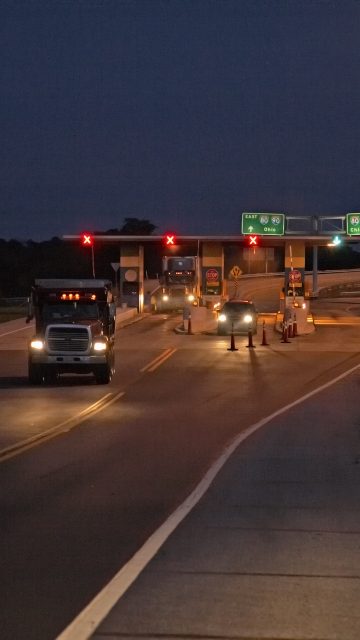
(51,376)
(103,374)
(35,373)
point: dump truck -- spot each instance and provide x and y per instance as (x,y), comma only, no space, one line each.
(74,329)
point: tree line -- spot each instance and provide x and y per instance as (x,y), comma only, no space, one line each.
(22,262)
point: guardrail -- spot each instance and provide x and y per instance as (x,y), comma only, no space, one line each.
(13,302)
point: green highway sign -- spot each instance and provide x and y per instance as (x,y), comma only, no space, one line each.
(264,224)
(353,224)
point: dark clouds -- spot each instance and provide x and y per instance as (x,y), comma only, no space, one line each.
(182,112)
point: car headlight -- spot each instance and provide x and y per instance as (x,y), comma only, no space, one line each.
(100,345)
(37,344)
(222,317)
(248,318)
(191,297)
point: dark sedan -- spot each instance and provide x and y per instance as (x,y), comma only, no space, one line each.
(238,316)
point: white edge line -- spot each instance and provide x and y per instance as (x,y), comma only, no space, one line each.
(15,331)
(85,624)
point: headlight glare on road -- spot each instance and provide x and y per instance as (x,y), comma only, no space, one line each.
(222,317)
(100,345)
(248,318)
(37,344)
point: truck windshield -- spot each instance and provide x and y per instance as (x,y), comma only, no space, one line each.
(70,311)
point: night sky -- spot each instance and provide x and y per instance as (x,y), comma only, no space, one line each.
(182,112)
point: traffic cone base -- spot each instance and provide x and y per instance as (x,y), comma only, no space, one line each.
(250,344)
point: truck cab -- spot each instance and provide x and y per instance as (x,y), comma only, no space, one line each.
(74,329)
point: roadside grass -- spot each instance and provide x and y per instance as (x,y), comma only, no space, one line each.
(11,314)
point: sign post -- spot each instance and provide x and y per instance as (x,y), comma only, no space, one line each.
(116,267)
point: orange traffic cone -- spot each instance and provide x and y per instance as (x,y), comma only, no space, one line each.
(295,332)
(232,341)
(264,343)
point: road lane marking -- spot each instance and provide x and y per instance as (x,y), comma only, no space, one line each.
(14,331)
(154,364)
(337,323)
(62,427)
(90,618)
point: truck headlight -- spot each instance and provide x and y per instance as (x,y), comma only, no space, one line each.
(222,317)
(248,318)
(37,344)
(165,297)
(100,345)
(191,297)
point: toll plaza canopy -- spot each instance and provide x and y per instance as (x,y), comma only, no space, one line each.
(273,228)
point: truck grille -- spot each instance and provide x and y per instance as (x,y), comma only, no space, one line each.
(68,339)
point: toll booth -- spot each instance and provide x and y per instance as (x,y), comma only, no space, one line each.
(212,273)
(132,275)
(292,300)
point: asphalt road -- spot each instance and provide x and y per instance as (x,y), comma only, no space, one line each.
(76,506)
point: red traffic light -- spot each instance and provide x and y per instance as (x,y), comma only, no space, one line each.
(87,240)
(170,240)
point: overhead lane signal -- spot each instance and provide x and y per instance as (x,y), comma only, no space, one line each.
(87,239)
(335,241)
(169,239)
(252,240)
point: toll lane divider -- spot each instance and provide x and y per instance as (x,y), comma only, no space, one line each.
(62,427)
(159,360)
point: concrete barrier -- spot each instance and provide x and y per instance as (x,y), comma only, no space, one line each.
(124,315)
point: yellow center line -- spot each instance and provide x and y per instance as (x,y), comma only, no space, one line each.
(62,427)
(162,355)
(166,356)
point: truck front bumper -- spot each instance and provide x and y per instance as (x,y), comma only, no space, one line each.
(69,363)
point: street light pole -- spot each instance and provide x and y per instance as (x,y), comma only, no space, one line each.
(93,260)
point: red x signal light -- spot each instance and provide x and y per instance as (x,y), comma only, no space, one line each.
(170,239)
(87,240)
(253,241)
